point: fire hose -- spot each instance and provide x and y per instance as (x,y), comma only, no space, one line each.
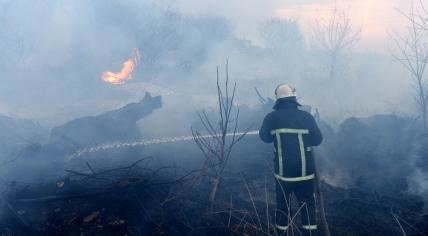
(144,142)
(147,142)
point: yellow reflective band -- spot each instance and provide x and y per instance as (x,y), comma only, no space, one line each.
(309,149)
(310,227)
(290,131)
(294,179)
(278,144)
(284,228)
(299,133)
(302,154)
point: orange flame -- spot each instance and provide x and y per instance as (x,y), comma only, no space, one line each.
(125,73)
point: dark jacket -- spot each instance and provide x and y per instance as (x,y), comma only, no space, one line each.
(293,132)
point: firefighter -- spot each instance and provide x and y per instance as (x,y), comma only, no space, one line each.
(294,132)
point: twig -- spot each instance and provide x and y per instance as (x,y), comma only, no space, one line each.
(411,226)
(261,98)
(230,211)
(320,198)
(252,202)
(89,176)
(90,168)
(399,224)
(267,207)
(20,218)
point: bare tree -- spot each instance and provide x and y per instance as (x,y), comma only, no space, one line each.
(215,146)
(281,35)
(412,53)
(334,35)
(284,42)
(420,16)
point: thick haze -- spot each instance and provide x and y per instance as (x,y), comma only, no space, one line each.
(54,52)
(376,18)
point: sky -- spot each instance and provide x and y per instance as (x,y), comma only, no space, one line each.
(376,19)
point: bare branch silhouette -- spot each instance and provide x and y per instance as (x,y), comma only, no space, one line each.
(215,146)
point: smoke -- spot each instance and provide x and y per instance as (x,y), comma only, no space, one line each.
(54,53)
(54,56)
(418,183)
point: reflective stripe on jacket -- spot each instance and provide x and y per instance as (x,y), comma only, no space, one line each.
(293,132)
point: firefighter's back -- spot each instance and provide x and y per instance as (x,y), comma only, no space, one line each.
(293,133)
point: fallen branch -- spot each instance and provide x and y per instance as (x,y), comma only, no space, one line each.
(58,197)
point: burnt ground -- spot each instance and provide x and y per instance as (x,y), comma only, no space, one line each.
(153,197)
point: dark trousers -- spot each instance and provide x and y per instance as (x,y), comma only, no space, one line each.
(285,218)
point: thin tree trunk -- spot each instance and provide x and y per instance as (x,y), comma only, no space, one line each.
(214,190)
(321,207)
(424,116)
(217,152)
(423,104)
(221,166)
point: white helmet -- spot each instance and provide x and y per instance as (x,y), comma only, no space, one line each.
(285,91)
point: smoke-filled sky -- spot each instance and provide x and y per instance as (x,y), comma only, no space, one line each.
(55,52)
(377,19)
